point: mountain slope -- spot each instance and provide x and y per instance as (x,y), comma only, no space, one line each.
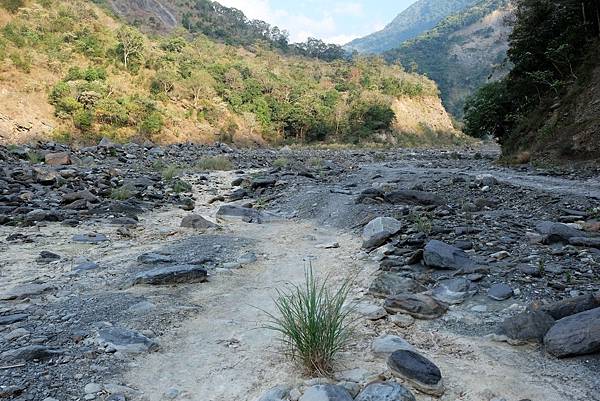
(463,52)
(71,72)
(416,19)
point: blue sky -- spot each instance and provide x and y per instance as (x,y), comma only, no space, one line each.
(334,21)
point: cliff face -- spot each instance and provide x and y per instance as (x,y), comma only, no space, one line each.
(158,15)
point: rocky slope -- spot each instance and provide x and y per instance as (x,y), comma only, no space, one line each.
(412,22)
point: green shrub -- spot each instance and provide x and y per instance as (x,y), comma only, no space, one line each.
(170,172)
(21,60)
(83,119)
(281,162)
(34,157)
(59,91)
(122,193)
(180,186)
(313,321)
(215,163)
(12,5)
(152,124)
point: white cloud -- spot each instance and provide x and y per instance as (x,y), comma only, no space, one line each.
(350,9)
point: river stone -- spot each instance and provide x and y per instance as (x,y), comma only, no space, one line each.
(326,392)
(574,335)
(528,326)
(419,306)
(500,292)
(278,393)
(418,370)
(385,391)
(454,291)
(571,306)
(196,222)
(440,255)
(413,197)
(90,238)
(387,343)
(245,214)
(388,284)
(379,230)
(57,159)
(371,311)
(558,232)
(124,340)
(154,258)
(25,291)
(30,352)
(172,275)
(591,242)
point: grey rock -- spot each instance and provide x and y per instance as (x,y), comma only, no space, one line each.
(277,393)
(245,214)
(326,392)
(196,222)
(529,326)
(153,258)
(558,232)
(500,292)
(590,242)
(417,370)
(172,275)
(440,255)
(571,306)
(90,238)
(402,320)
(454,291)
(388,284)
(86,266)
(413,197)
(125,340)
(419,306)
(574,335)
(386,344)
(92,388)
(25,291)
(379,230)
(30,352)
(371,311)
(10,319)
(385,391)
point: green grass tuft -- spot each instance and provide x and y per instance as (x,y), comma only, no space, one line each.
(214,163)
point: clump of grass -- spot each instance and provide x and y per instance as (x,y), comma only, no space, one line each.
(34,157)
(121,193)
(170,172)
(313,321)
(214,163)
(180,186)
(281,162)
(422,222)
(316,162)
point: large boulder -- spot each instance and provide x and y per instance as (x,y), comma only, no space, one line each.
(571,306)
(574,335)
(172,275)
(419,306)
(379,230)
(558,232)
(529,326)
(439,255)
(385,391)
(57,159)
(389,284)
(417,370)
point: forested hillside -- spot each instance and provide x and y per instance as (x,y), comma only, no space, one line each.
(462,52)
(550,101)
(74,73)
(412,22)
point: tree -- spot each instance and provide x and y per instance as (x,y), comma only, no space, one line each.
(200,84)
(131,46)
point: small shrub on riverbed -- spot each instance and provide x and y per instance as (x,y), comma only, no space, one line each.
(313,321)
(215,163)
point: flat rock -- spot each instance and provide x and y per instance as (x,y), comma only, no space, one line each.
(326,392)
(10,319)
(371,311)
(385,391)
(440,255)
(278,393)
(379,230)
(124,340)
(172,275)
(454,291)
(29,353)
(528,326)
(388,284)
(417,370)
(155,258)
(387,343)
(574,335)
(413,197)
(25,291)
(196,222)
(590,242)
(419,306)
(245,214)
(57,159)
(500,292)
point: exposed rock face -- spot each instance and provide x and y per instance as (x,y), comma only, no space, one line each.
(379,230)
(574,335)
(440,255)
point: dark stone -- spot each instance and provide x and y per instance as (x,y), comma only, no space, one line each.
(29,353)
(385,391)
(379,230)
(419,306)
(172,275)
(440,255)
(558,232)
(413,197)
(389,284)
(262,183)
(529,326)
(196,222)
(326,392)
(245,214)
(417,370)
(572,306)
(574,335)
(590,242)
(500,292)
(153,258)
